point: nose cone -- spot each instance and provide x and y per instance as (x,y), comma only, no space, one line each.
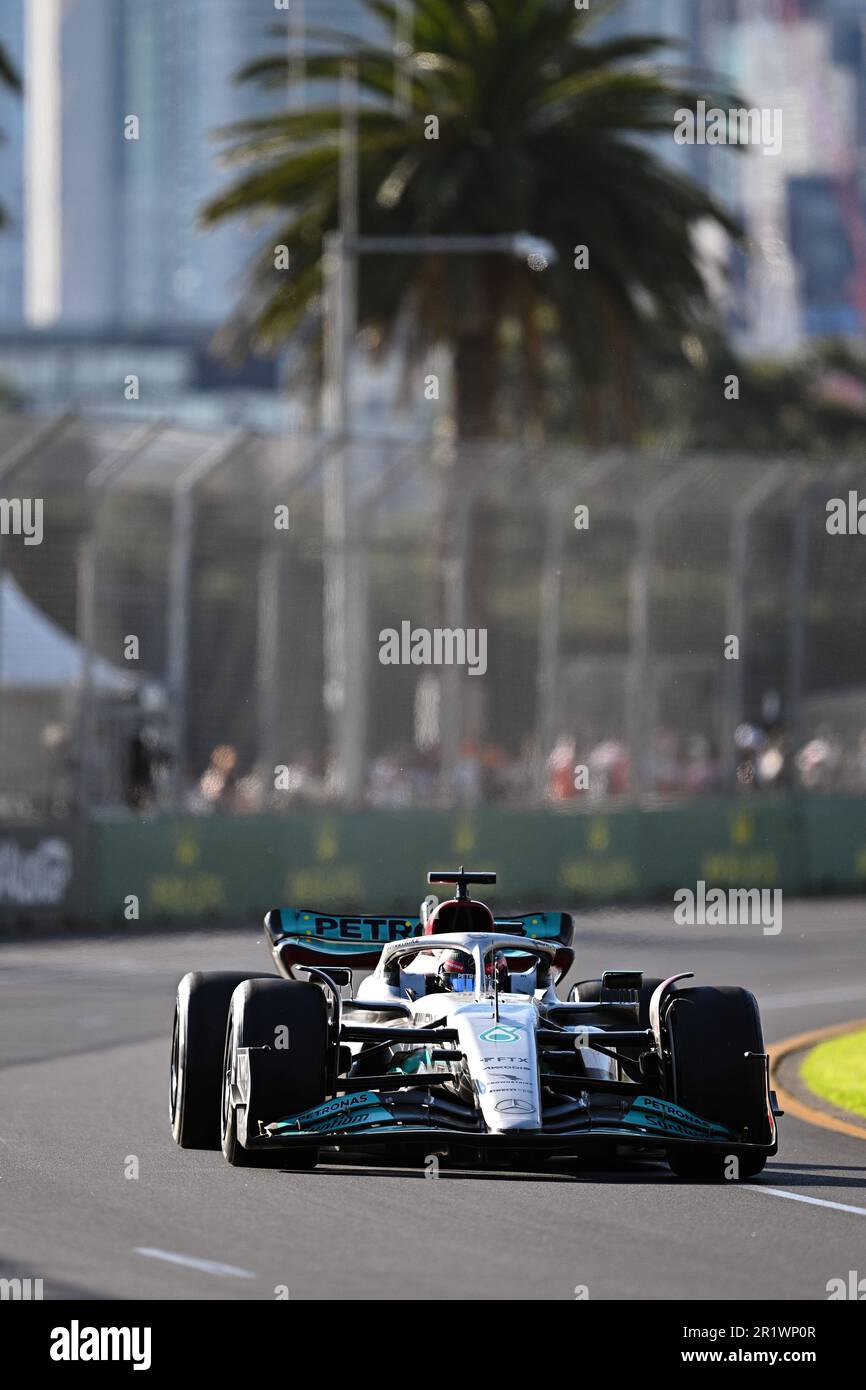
(504,1062)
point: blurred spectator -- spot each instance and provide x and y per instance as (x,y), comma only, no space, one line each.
(560,769)
(700,773)
(665,771)
(858,762)
(388,784)
(467,774)
(147,767)
(302,784)
(218,783)
(609,769)
(748,741)
(403,776)
(770,766)
(56,741)
(818,761)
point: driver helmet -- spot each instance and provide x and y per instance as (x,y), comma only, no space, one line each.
(457,971)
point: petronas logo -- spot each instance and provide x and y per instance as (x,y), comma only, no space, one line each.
(500,1033)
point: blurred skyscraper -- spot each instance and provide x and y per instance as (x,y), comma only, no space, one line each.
(105,236)
(110,235)
(804,210)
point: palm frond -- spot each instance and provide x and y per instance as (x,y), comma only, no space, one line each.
(8,73)
(539,130)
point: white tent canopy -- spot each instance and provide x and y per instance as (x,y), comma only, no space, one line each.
(36,653)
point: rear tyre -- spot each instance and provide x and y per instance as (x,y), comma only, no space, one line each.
(258,1009)
(711,1028)
(197,1038)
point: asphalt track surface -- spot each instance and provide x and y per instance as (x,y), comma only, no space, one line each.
(84,1041)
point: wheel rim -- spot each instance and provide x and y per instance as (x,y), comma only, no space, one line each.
(174,1077)
(227,1079)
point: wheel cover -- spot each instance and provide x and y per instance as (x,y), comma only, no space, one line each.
(227,1081)
(174,1075)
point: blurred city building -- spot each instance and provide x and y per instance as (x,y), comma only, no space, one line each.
(107,235)
(110,227)
(104,270)
(803,273)
(106,245)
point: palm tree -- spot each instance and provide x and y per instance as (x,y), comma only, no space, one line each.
(8,78)
(539,130)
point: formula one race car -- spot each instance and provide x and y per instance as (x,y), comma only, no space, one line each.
(456,1044)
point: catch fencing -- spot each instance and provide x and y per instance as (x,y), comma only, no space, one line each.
(200,626)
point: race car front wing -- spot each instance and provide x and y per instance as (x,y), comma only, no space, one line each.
(413,1109)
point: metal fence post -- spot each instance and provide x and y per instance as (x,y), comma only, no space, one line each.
(354,723)
(737,616)
(97,482)
(179,593)
(456,576)
(270,600)
(550,611)
(797,590)
(340,304)
(550,623)
(798,594)
(641,696)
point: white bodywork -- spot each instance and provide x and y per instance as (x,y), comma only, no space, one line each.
(496,1032)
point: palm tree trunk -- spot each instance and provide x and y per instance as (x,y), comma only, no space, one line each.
(532,352)
(475,380)
(476,355)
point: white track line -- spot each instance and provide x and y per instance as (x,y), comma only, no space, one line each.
(190,1261)
(799,1197)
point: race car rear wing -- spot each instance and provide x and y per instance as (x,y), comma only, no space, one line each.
(302,936)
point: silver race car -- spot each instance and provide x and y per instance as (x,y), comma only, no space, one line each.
(457,1044)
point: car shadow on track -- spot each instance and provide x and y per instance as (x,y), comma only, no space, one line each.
(827,1176)
(573,1174)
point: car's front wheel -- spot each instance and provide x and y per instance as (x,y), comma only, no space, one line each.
(712,1030)
(291,1015)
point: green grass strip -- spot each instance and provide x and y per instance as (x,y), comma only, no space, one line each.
(836,1071)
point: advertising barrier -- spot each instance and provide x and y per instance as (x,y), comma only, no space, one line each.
(44,873)
(165,869)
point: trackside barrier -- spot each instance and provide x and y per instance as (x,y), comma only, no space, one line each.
(116,872)
(46,874)
(238,867)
